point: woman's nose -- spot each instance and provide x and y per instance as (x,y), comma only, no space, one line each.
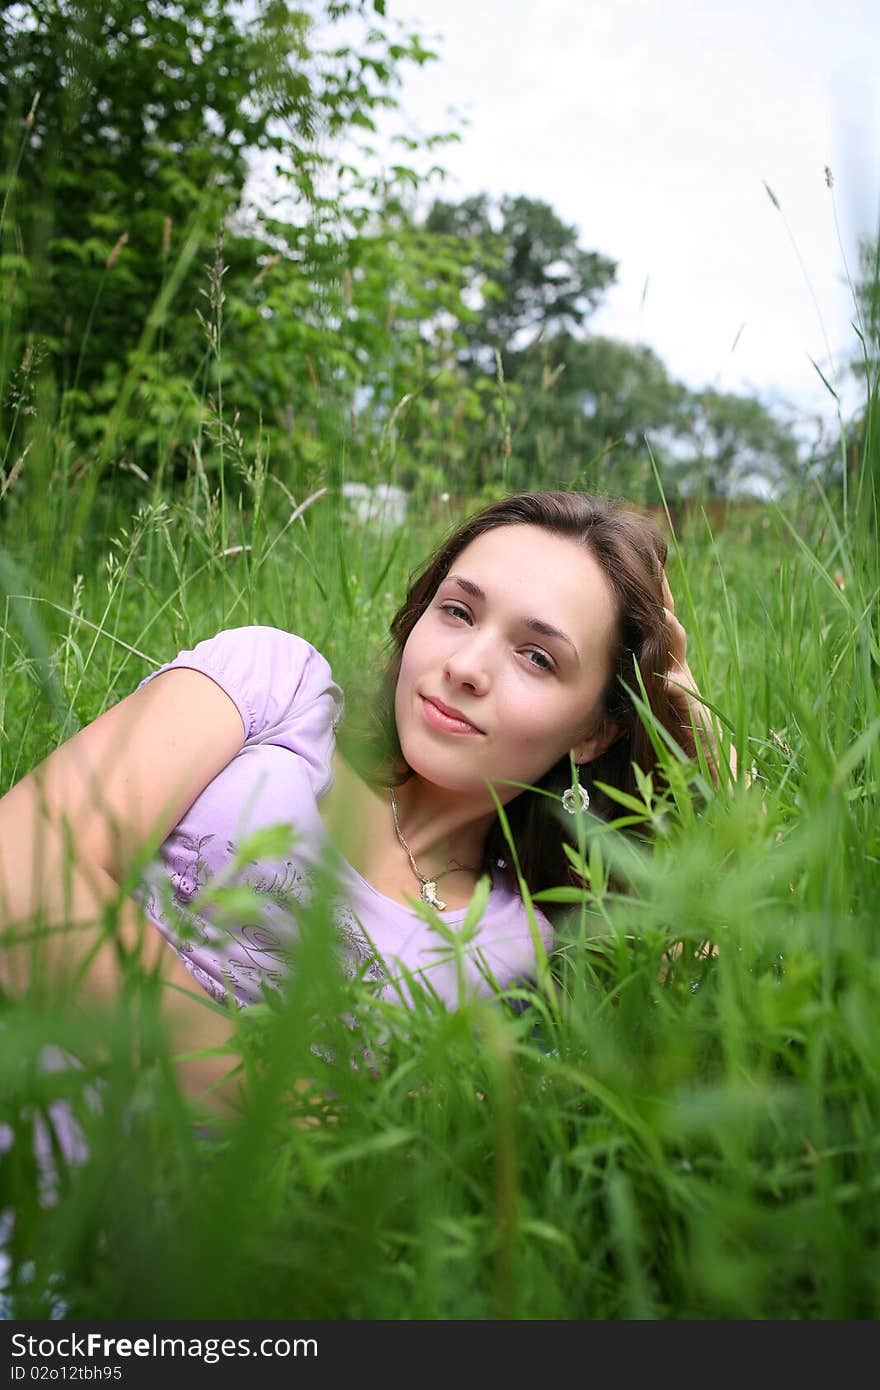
(468,666)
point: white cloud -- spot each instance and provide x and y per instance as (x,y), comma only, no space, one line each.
(652,127)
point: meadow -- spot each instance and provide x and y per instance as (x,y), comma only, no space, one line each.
(643,1134)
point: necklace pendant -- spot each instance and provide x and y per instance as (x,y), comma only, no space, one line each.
(429,893)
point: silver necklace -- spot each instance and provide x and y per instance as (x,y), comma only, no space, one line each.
(428,885)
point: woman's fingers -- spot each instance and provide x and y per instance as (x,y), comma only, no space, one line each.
(681,674)
(668,600)
(678,665)
(679,670)
(678,639)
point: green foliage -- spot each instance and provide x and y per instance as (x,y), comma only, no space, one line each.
(534,278)
(126,181)
(145,116)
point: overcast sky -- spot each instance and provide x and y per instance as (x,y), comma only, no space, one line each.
(652,125)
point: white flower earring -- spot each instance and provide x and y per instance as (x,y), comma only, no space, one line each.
(575,798)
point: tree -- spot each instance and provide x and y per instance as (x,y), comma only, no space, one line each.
(736,446)
(533,277)
(585,407)
(580,409)
(130,132)
(145,114)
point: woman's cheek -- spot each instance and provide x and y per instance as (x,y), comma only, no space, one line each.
(410,661)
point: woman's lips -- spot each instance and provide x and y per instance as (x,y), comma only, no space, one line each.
(441,717)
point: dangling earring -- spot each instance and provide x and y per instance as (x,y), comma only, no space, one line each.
(574,794)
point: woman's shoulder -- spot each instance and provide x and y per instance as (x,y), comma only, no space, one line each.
(258,638)
(271,674)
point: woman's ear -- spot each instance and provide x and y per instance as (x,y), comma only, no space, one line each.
(602,737)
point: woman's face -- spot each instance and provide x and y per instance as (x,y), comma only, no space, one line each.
(504,672)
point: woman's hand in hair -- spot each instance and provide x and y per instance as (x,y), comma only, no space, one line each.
(679,670)
(682,680)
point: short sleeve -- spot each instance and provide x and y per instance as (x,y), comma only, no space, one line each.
(274,678)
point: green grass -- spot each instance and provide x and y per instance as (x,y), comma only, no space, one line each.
(639,1142)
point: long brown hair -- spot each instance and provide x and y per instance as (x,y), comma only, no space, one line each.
(631,552)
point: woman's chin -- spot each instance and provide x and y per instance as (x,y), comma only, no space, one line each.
(439,773)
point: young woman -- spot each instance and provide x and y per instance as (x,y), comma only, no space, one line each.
(515,653)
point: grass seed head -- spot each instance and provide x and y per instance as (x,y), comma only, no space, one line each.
(115,253)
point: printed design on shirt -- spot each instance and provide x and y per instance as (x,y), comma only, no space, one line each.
(246,956)
(242,961)
(250,976)
(264,942)
(249,955)
(280,886)
(212,987)
(189,880)
(357,958)
(243,956)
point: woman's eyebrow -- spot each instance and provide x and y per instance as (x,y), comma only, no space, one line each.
(468,585)
(533,624)
(548,630)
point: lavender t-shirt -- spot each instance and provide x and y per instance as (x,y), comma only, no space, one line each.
(290,705)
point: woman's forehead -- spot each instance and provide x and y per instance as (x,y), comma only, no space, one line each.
(553,577)
(507,551)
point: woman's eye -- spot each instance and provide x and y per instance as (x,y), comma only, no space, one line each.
(456,610)
(538,658)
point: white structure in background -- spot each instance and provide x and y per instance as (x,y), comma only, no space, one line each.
(383,505)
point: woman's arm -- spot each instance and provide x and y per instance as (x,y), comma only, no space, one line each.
(73,827)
